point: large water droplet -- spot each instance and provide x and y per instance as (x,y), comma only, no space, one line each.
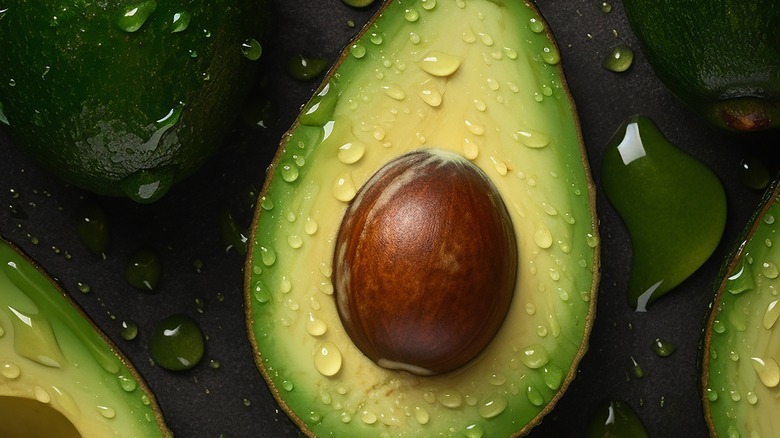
(440,64)
(136,15)
(177,343)
(251,49)
(619,59)
(180,22)
(767,370)
(327,359)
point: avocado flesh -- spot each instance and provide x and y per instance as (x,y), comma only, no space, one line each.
(125,98)
(720,57)
(741,352)
(469,77)
(59,375)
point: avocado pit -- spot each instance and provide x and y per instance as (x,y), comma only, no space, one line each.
(425,263)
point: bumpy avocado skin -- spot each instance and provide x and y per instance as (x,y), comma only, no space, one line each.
(740,373)
(122,111)
(479,78)
(720,57)
(59,375)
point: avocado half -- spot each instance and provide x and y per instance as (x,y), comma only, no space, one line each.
(740,372)
(126,98)
(480,80)
(60,376)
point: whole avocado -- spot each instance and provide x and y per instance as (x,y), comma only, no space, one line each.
(720,57)
(126,98)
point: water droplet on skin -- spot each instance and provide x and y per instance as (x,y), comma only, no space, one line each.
(267,255)
(553,376)
(177,343)
(315,326)
(531,138)
(129,330)
(127,383)
(252,49)
(414,38)
(619,59)
(144,269)
(136,15)
(543,237)
(421,415)
(753,173)
(181,21)
(769,270)
(327,359)
(411,15)
(394,91)
(289,171)
(368,417)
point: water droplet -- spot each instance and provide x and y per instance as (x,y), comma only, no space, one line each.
(431,96)
(450,398)
(352,152)
(267,255)
(767,370)
(771,314)
(261,293)
(534,396)
(663,348)
(41,394)
(536,25)
(149,185)
(411,15)
(543,237)
(636,368)
(127,383)
(252,49)
(181,21)
(492,406)
(136,15)
(93,229)
(357,50)
(344,188)
(289,171)
(753,173)
(177,343)
(327,359)
(421,415)
(144,269)
(619,59)
(10,370)
(414,38)
(553,376)
(535,356)
(315,326)
(531,138)
(551,56)
(368,417)
(440,64)
(128,330)
(106,411)
(769,270)
(606,7)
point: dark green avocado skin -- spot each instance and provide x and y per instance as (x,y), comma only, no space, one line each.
(122,111)
(720,57)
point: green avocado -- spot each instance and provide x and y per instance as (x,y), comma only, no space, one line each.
(740,356)
(59,375)
(433,192)
(126,98)
(720,57)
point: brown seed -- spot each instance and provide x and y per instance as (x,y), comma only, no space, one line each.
(425,263)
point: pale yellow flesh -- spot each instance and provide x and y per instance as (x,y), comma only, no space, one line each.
(467,77)
(53,359)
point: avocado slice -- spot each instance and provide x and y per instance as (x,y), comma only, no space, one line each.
(478,82)
(126,98)
(740,372)
(59,375)
(720,57)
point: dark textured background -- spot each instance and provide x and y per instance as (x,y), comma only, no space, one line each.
(185,226)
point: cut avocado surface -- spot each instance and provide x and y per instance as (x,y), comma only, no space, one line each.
(59,375)
(740,358)
(480,79)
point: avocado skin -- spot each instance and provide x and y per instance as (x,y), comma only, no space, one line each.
(720,57)
(95,103)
